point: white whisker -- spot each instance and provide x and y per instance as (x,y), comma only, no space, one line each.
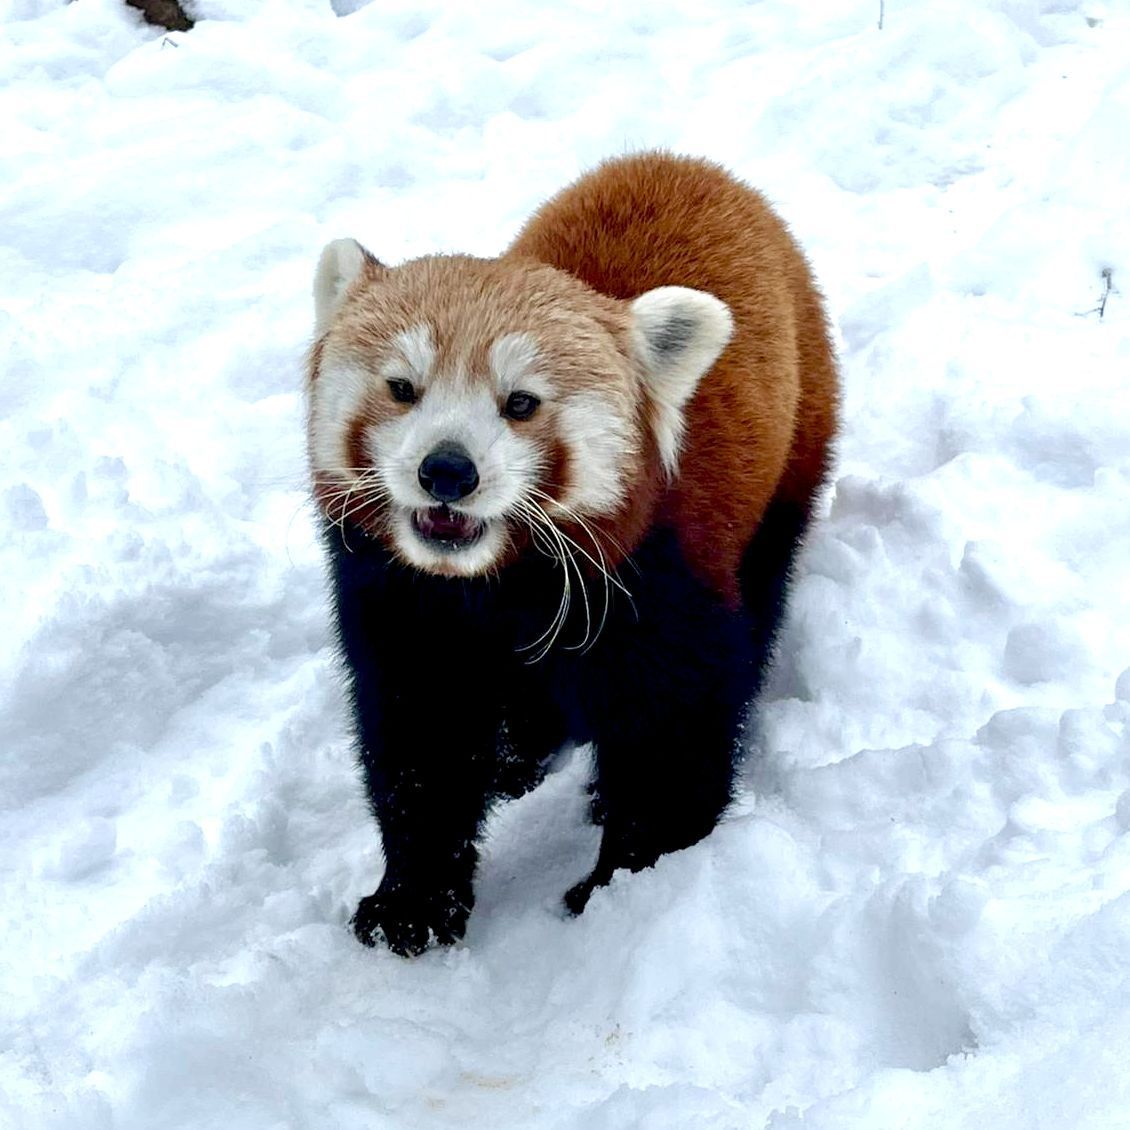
(539,526)
(340,504)
(571,559)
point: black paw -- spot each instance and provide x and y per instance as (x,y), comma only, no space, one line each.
(409,923)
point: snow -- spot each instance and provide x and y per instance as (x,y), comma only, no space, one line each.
(918,912)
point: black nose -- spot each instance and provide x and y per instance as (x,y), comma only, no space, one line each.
(448,474)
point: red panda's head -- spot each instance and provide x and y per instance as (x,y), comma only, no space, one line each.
(461,409)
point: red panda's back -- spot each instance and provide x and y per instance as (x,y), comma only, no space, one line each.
(762,419)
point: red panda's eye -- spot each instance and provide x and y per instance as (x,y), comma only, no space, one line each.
(402,391)
(521,405)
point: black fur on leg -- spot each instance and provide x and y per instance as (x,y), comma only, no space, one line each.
(531,735)
(764,576)
(665,695)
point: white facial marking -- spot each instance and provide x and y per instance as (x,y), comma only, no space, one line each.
(515,364)
(598,437)
(336,397)
(415,352)
(679,333)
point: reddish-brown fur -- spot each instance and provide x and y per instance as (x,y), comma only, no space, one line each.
(761,421)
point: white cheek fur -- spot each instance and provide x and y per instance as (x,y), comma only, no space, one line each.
(599,440)
(336,397)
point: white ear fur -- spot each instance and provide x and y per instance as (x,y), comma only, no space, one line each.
(679,333)
(341,262)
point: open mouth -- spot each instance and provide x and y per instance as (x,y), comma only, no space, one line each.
(446,529)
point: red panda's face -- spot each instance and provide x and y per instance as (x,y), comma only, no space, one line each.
(463,409)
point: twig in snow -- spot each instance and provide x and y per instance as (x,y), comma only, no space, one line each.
(882,12)
(1108,276)
(1108,290)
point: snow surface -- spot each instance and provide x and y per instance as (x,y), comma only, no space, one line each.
(918,914)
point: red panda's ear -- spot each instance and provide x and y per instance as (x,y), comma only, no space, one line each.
(341,263)
(678,334)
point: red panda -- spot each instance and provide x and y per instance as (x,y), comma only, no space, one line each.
(561,494)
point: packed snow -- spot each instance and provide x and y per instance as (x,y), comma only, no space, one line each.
(917,914)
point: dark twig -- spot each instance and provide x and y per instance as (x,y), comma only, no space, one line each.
(1108,289)
(1108,276)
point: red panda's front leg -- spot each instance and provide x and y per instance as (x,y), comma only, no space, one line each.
(429,792)
(661,785)
(426,715)
(666,697)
